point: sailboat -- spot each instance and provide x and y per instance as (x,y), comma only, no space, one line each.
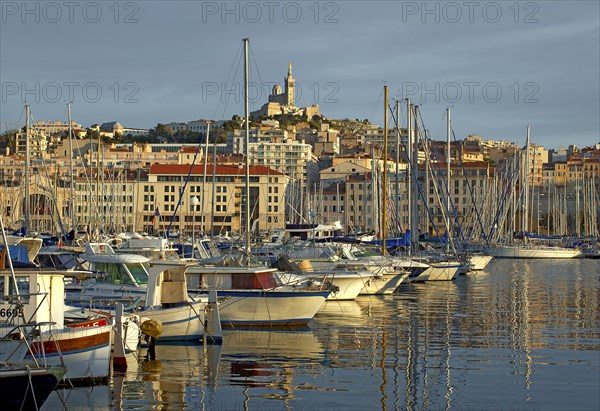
(527,249)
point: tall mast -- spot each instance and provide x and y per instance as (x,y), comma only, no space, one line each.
(425,186)
(27,171)
(448,131)
(204,178)
(214,187)
(577,216)
(415,197)
(247,151)
(526,202)
(72,196)
(409,139)
(98,209)
(397,196)
(385,158)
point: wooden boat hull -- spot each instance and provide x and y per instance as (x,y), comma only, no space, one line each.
(85,351)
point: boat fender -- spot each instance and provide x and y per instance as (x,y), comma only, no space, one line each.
(152,328)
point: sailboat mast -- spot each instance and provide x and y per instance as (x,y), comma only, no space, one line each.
(204,179)
(27,171)
(385,158)
(577,211)
(72,202)
(526,191)
(246,150)
(397,196)
(98,184)
(415,197)
(409,140)
(448,131)
(214,186)
(9,258)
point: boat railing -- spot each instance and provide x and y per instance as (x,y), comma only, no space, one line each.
(27,334)
(100,305)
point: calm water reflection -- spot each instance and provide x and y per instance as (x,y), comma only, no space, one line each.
(523,335)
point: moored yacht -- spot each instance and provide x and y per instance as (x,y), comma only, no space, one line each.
(534,251)
(254,296)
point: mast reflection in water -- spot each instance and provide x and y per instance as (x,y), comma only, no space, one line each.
(522,335)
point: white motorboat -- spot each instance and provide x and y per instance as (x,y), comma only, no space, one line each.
(346,285)
(254,296)
(167,302)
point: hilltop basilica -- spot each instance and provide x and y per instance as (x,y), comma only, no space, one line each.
(282,101)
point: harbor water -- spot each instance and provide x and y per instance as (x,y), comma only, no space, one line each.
(521,335)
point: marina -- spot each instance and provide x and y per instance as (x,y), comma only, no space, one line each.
(309,206)
(522,334)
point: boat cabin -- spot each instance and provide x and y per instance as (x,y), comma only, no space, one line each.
(203,278)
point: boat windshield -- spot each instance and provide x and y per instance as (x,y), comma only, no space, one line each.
(119,273)
(366,252)
(139,272)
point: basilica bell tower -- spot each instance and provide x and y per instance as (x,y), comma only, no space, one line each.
(289,87)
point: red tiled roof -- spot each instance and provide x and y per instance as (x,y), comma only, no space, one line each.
(466,164)
(198,169)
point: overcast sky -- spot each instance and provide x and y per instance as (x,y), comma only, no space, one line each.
(499,65)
